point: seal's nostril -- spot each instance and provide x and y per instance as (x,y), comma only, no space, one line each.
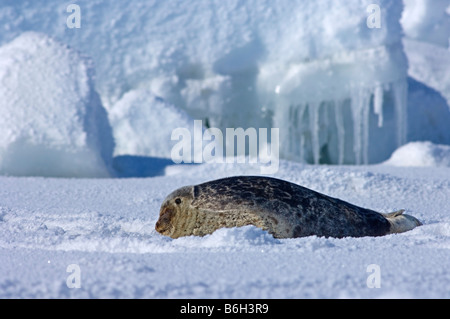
(164,220)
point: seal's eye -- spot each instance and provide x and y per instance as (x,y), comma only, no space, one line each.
(178,201)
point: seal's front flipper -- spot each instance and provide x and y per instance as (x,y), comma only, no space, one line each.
(401,222)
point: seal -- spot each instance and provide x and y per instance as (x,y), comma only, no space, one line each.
(284,209)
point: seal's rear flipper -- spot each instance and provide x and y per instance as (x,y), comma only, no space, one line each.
(401,222)
(394,214)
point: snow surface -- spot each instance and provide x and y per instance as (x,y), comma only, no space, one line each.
(342,92)
(106,227)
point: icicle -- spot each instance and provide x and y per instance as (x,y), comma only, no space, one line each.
(301,112)
(360,112)
(378,104)
(365,100)
(400,96)
(325,111)
(313,111)
(296,137)
(304,122)
(339,109)
(292,130)
(356,115)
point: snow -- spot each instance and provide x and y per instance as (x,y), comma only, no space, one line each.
(247,64)
(427,21)
(426,25)
(293,65)
(106,227)
(340,91)
(50,112)
(428,114)
(421,154)
(429,64)
(143,124)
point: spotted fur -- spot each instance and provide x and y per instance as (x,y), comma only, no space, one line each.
(284,209)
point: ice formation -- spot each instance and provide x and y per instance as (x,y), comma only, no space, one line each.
(329,103)
(426,24)
(321,71)
(52,122)
(143,124)
(427,21)
(428,114)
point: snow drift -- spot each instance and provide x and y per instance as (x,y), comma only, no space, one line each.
(421,154)
(52,123)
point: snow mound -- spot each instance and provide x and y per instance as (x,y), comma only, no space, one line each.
(421,154)
(50,112)
(231,238)
(143,124)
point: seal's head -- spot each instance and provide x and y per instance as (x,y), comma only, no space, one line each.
(174,216)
